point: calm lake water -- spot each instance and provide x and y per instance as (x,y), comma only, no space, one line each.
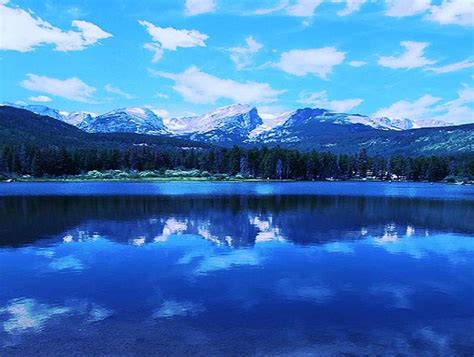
(236,269)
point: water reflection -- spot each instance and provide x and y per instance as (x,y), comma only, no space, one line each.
(236,221)
(236,275)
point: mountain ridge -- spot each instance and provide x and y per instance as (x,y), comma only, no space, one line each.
(306,129)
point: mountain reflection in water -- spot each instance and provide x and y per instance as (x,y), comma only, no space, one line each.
(237,221)
(234,274)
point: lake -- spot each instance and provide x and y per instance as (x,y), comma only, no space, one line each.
(206,268)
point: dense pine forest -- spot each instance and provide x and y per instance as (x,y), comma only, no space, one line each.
(22,161)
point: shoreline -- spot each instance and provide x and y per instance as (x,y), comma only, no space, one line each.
(204,179)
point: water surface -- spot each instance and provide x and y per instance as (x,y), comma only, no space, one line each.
(236,269)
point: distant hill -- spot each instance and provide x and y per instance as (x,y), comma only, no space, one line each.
(317,129)
(304,129)
(20,126)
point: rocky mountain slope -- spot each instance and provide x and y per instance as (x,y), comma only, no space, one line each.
(307,128)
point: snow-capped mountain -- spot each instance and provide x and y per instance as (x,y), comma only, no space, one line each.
(77,118)
(41,110)
(74,118)
(125,120)
(301,124)
(228,124)
(237,124)
(270,122)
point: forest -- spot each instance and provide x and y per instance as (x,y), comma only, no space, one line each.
(277,163)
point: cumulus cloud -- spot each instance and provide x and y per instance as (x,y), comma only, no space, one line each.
(114,90)
(198,7)
(23,31)
(406,109)
(40,99)
(453,67)
(458,110)
(351,7)
(402,8)
(242,55)
(357,63)
(413,57)
(283,4)
(197,86)
(71,88)
(458,12)
(321,100)
(299,8)
(448,12)
(318,61)
(169,38)
(303,8)
(161,95)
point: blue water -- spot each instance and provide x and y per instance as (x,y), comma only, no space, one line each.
(236,269)
(349,188)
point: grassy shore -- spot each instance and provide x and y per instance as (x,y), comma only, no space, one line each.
(148,179)
(179,176)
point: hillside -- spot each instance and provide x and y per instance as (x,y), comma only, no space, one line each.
(19,126)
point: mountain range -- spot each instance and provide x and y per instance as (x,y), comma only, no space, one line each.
(307,128)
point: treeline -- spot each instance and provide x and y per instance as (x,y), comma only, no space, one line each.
(272,163)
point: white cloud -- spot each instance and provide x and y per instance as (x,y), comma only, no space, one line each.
(40,98)
(303,8)
(319,61)
(459,12)
(413,57)
(22,31)
(242,56)
(453,67)
(459,110)
(299,8)
(114,90)
(156,49)
(401,8)
(321,100)
(406,109)
(71,88)
(198,7)
(283,4)
(161,95)
(199,87)
(171,39)
(351,7)
(357,63)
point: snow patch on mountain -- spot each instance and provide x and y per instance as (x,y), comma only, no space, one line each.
(126,120)
(233,124)
(270,122)
(238,114)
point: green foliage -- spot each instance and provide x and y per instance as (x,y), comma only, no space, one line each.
(45,147)
(222,164)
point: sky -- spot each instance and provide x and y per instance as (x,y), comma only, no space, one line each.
(397,58)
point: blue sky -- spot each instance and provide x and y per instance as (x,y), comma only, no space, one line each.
(404,58)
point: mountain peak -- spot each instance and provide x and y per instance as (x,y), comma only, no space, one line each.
(138,112)
(231,118)
(126,120)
